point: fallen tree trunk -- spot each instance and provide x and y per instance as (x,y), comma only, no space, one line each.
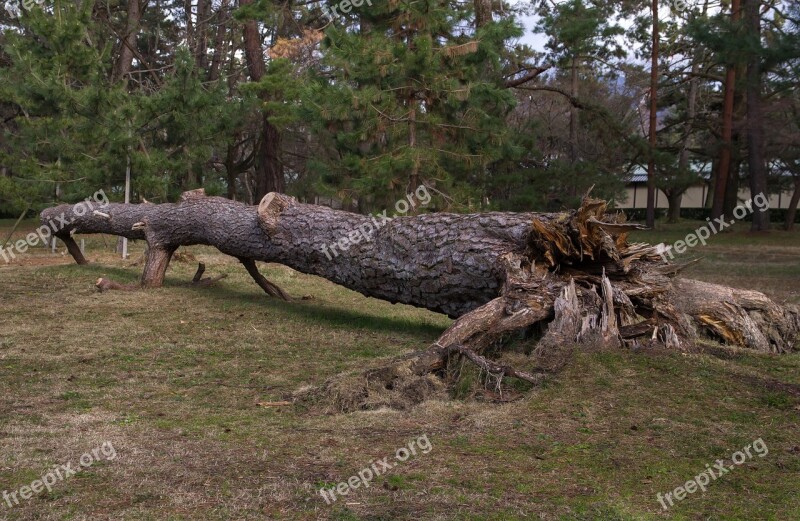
(495,272)
(443,262)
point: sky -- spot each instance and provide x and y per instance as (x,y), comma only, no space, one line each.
(536,41)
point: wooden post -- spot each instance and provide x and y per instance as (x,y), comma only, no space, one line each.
(127,201)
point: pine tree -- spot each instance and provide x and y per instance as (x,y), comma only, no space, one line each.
(69,117)
(79,122)
(411,96)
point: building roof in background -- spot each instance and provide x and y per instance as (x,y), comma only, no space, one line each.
(702,168)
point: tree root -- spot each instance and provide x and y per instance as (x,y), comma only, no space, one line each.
(199,281)
(591,289)
(271,289)
(495,369)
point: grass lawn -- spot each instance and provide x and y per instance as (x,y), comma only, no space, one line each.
(177,379)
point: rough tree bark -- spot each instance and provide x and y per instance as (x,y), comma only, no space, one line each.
(128,42)
(269,169)
(723,165)
(756,162)
(220,41)
(495,272)
(483,13)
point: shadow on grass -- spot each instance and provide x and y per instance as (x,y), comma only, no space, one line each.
(311,311)
(316,312)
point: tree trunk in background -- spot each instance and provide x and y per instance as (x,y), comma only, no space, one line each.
(734,175)
(712,184)
(201,34)
(756,163)
(724,166)
(220,41)
(651,162)
(723,172)
(483,12)
(235,166)
(191,180)
(674,197)
(254,53)
(231,173)
(573,111)
(269,169)
(128,42)
(737,146)
(413,179)
(675,194)
(190,38)
(791,212)
(268,166)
